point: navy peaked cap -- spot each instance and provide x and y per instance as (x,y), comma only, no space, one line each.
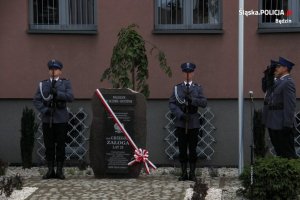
(55,64)
(284,62)
(188,67)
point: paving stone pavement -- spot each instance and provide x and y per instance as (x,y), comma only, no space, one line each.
(144,188)
(162,184)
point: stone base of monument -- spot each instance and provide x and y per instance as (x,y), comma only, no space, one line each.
(110,151)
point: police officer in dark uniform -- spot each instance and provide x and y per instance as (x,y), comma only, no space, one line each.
(184,102)
(279,109)
(50,100)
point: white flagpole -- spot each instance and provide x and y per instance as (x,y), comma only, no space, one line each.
(241,86)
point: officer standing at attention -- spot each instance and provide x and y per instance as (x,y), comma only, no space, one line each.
(50,100)
(184,103)
(279,109)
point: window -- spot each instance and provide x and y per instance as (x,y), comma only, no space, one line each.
(279,14)
(62,15)
(187,14)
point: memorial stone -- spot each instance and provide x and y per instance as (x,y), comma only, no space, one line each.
(110,151)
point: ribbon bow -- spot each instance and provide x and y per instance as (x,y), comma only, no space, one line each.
(141,155)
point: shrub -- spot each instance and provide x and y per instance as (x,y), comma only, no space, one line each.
(3,166)
(273,178)
(28,129)
(200,190)
(7,185)
(129,61)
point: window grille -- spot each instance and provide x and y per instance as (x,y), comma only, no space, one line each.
(45,12)
(187,14)
(273,16)
(62,15)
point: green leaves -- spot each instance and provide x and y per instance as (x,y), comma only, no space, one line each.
(28,129)
(28,125)
(274,178)
(163,63)
(129,62)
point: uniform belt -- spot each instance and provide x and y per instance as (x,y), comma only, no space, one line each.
(61,104)
(191,113)
(56,104)
(276,107)
(189,109)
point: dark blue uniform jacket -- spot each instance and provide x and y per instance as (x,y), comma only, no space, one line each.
(280,104)
(64,95)
(178,107)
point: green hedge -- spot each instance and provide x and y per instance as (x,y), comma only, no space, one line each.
(3,166)
(28,130)
(273,178)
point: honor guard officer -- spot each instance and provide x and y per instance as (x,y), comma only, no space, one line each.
(184,102)
(279,109)
(50,100)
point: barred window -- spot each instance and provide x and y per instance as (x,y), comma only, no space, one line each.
(279,14)
(187,14)
(62,15)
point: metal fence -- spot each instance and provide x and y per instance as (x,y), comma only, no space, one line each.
(205,148)
(297,136)
(297,133)
(77,147)
(76,144)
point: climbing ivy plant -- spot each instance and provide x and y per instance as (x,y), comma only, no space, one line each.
(129,62)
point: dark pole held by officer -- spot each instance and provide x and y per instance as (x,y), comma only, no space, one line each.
(279,108)
(184,102)
(51,100)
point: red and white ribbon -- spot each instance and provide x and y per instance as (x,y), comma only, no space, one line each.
(140,155)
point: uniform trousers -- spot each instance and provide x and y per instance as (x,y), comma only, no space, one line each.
(283,142)
(187,141)
(54,140)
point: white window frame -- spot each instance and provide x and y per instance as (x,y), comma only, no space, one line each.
(188,19)
(63,25)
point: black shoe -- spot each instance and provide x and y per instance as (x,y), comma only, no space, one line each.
(50,173)
(59,171)
(184,174)
(183,177)
(192,176)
